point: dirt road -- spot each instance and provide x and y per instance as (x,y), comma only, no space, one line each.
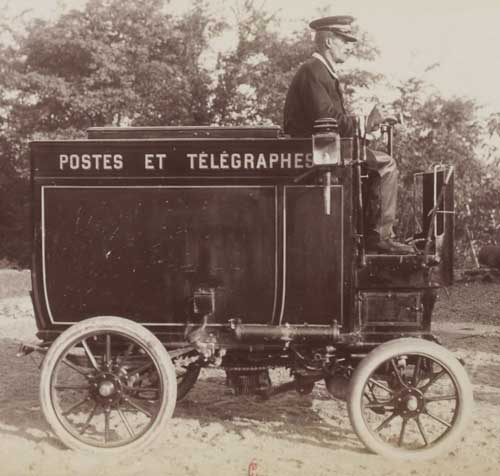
(213,433)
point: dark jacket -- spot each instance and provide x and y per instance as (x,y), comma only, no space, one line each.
(313,94)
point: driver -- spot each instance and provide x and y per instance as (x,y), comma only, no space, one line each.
(315,92)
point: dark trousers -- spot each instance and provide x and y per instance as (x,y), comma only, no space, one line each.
(381,194)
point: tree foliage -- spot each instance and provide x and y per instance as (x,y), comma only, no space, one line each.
(448,131)
(116,62)
(254,77)
(137,63)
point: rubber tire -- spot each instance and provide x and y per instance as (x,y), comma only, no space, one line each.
(121,326)
(407,346)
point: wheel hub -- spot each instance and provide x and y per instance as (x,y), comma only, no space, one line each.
(106,388)
(410,402)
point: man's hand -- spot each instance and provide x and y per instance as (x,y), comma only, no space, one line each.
(379,115)
(374,119)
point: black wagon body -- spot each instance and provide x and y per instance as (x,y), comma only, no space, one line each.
(229,247)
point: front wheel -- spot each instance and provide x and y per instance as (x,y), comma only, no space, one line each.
(409,399)
(107,384)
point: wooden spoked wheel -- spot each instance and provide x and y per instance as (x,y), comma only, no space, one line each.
(107,384)
(409,399)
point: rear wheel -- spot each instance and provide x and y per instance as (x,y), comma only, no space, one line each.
(409,399)
(107,384)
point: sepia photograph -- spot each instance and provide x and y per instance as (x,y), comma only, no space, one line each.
(249,237)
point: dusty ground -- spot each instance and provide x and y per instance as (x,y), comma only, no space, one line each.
(214,433)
